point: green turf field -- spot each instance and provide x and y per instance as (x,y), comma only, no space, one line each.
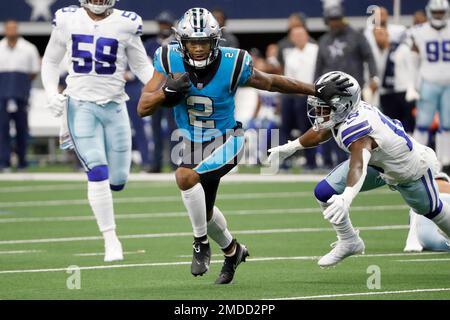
(45,227)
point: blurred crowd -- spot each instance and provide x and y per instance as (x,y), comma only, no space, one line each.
(368,55)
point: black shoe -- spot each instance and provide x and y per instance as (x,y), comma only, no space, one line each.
(201,258)
(230,264)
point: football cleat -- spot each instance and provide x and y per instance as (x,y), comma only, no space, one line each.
(341,250)
(231,263)
(113,251)
(201,258)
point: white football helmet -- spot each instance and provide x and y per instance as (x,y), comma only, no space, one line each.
(98,6)
(324,116)
(198,24)
(436,6)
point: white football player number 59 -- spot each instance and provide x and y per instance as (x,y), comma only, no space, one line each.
(207,111)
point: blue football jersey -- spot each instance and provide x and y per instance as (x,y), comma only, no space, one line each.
(207,111)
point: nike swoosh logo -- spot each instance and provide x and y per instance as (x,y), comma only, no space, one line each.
(169,90)
(320,89)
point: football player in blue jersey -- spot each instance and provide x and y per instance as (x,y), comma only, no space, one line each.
(199,78)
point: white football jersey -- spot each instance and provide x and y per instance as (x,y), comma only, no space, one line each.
(398,157)
(434,51)
(99,53)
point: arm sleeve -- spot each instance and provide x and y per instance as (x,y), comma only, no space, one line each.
(157,61)
(367,55)
(54,53)
(247,69)
(138,60)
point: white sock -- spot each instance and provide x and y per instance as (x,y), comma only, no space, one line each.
(421,136)
(194,201)
(442,220)
(100,199)
(110,236)
(443,147)
(344,230)
(217,229)
(412,242)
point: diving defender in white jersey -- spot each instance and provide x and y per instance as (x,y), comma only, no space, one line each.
(99,42)
(380,153)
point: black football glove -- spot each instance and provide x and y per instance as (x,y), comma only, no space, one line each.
(176,89)
(327,90)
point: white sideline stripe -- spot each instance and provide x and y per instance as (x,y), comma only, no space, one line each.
(372,293)
(73,186)
(94,254)
(163,264)
(21,251)
(229,196)
(163,177)
(185,234)
(183,214)
(425,260)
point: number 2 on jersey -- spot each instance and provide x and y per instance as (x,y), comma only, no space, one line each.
(207,111)
(105,54)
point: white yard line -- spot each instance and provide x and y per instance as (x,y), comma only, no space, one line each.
(226,196)
(74,186)
(185,234)
(163,177)
(21,251)
(371,293)
(94,254)
(163,264)
(176,214)
(425,260)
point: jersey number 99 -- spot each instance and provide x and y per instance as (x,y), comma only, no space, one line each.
(435,50)
(105,60)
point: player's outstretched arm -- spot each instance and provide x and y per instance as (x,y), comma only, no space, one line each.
(360,154)
(309,139)
(273,82)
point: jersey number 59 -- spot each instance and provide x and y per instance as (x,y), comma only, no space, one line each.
(105,54)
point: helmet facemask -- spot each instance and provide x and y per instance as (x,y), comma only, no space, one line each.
(98,6)
(323,115)
(320,114)
(198,25)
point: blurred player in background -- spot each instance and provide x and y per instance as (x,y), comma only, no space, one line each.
(202,94)
(431,41)
(99,41)
(19,65)
(380,153)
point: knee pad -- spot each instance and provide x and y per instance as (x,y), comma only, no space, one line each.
(99,173)
(323,191)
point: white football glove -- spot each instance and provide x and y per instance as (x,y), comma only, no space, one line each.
(57,104)
(412,94)
(338,209)
(284,151)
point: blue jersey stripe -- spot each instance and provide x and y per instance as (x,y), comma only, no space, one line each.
(354,128)
(356,136)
